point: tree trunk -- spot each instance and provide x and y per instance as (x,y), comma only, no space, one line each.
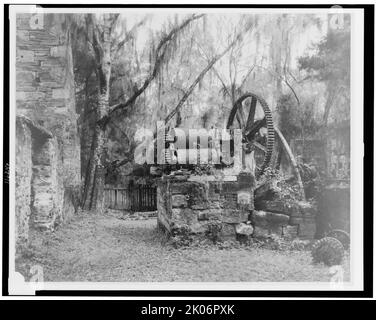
(95,179)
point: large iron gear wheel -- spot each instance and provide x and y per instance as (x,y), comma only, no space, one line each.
(342,236)
(328,250)
(251,127)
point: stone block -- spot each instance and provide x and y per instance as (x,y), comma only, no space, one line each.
(227,231)
(22,35)
(229,187)
(181,187)
(163,221)
(307,208)
(45,153)
(42,173)
(246,181)
(230,171)
(296,220)
(36,21)
(22,95)
(198,227)
(307,230)
(209,214)
(277,206)
(196,205)
(183,215)
(290,232)
(276,230)
(60,93)
(202,215)
(24,77)
(179,201)
(229,178)
(267,190)
(58,51)
(244,229)
(234,216)
(244,197)
(269,219)
(25,55)
(306,226)
(260,232)
(203,178)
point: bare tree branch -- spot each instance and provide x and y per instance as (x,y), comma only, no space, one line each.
(202,74)
(284,80)
(129,35)
(247,75)
(160,54)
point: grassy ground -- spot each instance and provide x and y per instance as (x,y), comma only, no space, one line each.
(107,248)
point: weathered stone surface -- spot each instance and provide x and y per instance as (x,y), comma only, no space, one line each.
(277,206)
(244,229)
(25,55)
(307,208)
(46,186)
(296,220)
(60,94)
(198,227)
(267,190)
(234,216)
(260,232)
(198,205)
(58,51)
(307,230)
(181,187)
(53,163)
(246,181)
(334,208)
(202,178)
(290,232)
(276,230)
(269,219)
(306,226)
(163,222)
(23,183)
(245,200)
(202,215)
(26,95)
(229,178)
(184,215)
(179,201)
(44,152)
(72,197)
(227,231)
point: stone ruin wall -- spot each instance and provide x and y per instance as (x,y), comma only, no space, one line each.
(47,142)
(198,201)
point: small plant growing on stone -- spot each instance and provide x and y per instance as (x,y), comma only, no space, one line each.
(328,250)
(213,231)
(299,245)
(181,237)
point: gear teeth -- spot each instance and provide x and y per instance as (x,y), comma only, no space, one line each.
(328,250)
(269,124)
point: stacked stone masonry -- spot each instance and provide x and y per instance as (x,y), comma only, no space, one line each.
(47,142)
(199,201)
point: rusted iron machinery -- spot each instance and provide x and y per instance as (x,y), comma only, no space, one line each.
(252,117)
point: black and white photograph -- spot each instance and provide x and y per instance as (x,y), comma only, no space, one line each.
(185,148)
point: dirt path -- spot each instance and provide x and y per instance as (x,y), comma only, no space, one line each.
(107,248)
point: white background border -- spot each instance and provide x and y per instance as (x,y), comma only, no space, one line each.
(356,187)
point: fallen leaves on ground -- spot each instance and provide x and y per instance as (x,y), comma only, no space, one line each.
(94,247)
